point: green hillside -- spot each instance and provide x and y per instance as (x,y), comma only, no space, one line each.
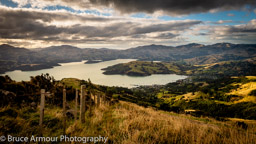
(15,58)
(203,111)
(145,68)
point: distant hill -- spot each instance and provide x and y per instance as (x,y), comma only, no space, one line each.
(13,58)
(145,68)
(64,53)
(191,53)
(10,53)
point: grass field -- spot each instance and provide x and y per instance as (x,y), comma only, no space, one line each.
(129,123)
(75,83)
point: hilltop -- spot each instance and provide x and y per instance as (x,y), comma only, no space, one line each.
(145,68)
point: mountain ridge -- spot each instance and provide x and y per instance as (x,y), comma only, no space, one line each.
(192,53)
(142,46)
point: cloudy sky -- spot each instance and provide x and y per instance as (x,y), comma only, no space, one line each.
(123,24)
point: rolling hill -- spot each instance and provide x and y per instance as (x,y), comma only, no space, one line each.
(12,58)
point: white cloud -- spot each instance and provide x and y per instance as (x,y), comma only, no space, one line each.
(48,27)
(36,26)
(240,33)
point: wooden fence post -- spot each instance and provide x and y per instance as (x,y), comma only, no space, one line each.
(98,100)
(94,99)
(42,105)
(64,110)
(76,104)
(82,104)
(104,99)
(90,110)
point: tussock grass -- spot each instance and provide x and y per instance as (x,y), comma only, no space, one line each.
(129,123)
(75,83)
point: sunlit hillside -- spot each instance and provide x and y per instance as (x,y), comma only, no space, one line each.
(129,123)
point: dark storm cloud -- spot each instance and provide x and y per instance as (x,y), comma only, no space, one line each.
(165,27)
(173,7)
(166,36)
(32,24)
(37,25)
(234,30)
(159,36)
(249,28)
(203,34)
(242,33)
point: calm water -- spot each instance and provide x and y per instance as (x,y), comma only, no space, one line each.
(93,71)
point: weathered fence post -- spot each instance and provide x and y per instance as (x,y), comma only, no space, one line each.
(82,104)
(76,104)
(42,104)
(104,99)
(90,110)
(98,100)
(64,110)
(94,99)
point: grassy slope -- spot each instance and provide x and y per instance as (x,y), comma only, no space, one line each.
(243,91)
(75,83)
(129,123)
(198,96)
(145,68)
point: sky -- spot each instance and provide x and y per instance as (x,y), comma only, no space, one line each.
(121,24)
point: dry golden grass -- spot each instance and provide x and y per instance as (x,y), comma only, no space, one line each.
(54,112)
(251,77)
(252,122)
(244,89)
(189,96)
(129,123)
(145,125)
(247,99)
